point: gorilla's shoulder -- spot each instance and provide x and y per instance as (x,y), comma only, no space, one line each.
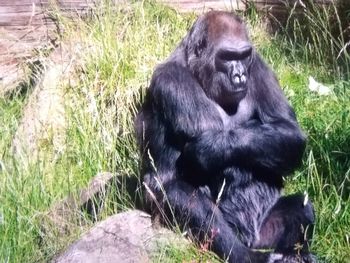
(171,72)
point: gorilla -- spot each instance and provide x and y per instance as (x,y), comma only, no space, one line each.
(216,136)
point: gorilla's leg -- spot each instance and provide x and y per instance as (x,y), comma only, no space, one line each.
(195,211)
(245,203)
(288,226)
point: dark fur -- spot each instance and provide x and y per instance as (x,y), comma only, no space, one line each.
(195,131)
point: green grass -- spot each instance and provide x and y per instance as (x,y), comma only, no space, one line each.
(121,46)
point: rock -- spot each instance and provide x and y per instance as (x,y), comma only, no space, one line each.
(125,237)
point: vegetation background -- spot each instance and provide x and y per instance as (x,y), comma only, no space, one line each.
(121,46)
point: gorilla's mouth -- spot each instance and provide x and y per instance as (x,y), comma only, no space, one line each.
(229,87)
(233,87)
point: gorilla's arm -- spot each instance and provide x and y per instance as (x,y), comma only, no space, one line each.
(181,103)
(271,141)
(275,147)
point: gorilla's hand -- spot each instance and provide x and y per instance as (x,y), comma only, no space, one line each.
(211,151)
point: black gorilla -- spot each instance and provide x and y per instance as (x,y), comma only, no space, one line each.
(216,135)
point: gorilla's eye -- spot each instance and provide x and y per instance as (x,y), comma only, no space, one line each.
(229,54)
(200,46)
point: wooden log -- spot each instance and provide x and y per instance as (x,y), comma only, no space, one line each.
(284,2)
(280,11)
(26,25)
(200,6)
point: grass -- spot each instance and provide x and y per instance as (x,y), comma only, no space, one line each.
(121,46)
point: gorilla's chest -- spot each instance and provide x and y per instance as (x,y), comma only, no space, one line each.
(244,113)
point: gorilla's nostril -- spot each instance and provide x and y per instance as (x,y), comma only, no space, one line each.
(243,79)
(236,80)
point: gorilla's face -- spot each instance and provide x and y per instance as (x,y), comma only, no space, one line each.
(232,59)
(221,58)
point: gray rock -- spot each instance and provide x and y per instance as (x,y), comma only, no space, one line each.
(125,237)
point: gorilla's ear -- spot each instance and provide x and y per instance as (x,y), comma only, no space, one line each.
(251,60)
(200,46)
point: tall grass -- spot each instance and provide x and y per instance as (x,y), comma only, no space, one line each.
(319,34)
(119,48)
